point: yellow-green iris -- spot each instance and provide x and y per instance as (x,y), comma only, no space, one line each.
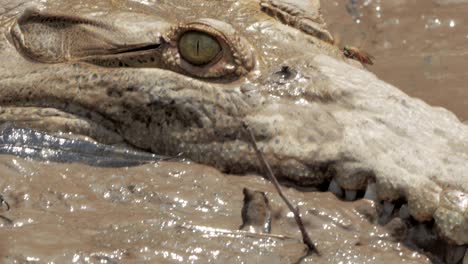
(198,48)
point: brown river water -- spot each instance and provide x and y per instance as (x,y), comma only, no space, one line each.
(177,212)
(173,213)
(420,46)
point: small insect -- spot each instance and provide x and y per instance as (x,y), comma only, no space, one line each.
(357,54)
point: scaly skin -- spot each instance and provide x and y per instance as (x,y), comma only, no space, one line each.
(117,76)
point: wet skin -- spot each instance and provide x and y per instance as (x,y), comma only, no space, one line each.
(133,75)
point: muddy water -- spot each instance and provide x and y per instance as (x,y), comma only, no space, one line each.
(175,213)
(420,46)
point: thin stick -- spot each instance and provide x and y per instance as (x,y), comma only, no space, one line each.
(305,237)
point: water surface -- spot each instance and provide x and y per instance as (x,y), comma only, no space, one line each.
(420,46)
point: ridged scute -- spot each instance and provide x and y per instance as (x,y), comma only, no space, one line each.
(299,14)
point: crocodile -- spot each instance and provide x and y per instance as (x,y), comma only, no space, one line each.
(185,81)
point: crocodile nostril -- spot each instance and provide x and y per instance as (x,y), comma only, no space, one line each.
(285,73)
(282,77)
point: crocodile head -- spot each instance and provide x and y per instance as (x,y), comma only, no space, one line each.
(184,81)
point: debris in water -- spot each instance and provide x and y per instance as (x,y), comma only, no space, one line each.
(305,237)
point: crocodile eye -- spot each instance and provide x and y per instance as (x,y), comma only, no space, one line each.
(198,48)
(206,48)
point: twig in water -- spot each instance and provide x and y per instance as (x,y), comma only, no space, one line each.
(305,237)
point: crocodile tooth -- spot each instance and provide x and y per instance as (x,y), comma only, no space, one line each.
(455,254)
(388,207)
(371,192)
(404,212)
(335,188)
(350,195)
(387,212)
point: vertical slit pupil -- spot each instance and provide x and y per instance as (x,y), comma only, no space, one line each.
(198,48)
